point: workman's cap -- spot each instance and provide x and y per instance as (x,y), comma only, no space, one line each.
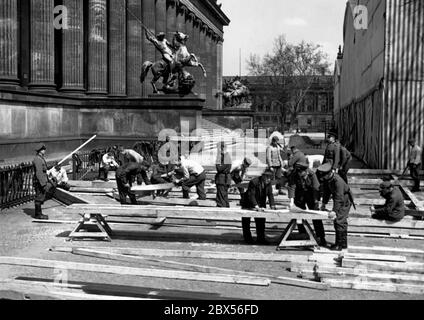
(268,174)
(302,165)
(247,161)
(325,168)
(40,146)
(386,185)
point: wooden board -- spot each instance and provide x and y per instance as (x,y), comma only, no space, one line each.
(414,267)
(155,273)
(413,198)
(152,187)
(67,197)
(375,286)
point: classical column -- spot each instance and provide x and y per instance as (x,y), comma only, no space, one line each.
(214,67)
(204,53)
(73,48)
(208,67)
(97,47)
(160,21)
(134,48)
(42,45)
(9,42)
(196,45)
(149,50)
(219,70)
(117,48)
(181,12)
(171,18)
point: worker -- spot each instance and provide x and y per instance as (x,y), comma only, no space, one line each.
(414,163)
(107,164)
(124,177)
(58,173)
(304,192)
(223,176)
(332,151)
(394,208)
(162,174)
(193,175)
(274,161)
(255,197)
(238,171)
(43,186)
(295,157)
(334,186)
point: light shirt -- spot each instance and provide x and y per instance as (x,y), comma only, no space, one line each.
(134,154)
(108,160)
(191,167)
(60,175)
(415,155)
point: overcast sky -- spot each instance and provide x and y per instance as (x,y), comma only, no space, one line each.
(256,23)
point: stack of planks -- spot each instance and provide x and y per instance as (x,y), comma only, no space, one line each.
(367,268)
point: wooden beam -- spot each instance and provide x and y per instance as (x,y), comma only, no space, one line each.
(375,286)
(90,190)
(413,198)
(67,197)
(155,273)
(152,187)
(413,267)
(373,257)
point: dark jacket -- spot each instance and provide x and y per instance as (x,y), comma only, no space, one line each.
(297,157)
(257,194)
(308,186)
(40,170)
(129,170)
(339,190)
(394,206)
(332,155)
(223,170)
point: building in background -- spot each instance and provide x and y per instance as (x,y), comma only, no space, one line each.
(314,112)
(379,82)
(60,86)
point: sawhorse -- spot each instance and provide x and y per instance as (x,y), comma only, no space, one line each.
(90,220)
(284,242)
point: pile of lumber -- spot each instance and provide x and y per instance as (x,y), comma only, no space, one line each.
(367,268)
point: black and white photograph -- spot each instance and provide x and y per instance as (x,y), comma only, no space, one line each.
(206,156)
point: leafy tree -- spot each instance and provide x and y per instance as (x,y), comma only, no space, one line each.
(289,71)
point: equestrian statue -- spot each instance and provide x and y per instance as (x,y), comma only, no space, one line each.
(175,57)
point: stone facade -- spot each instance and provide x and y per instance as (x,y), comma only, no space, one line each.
(51,77)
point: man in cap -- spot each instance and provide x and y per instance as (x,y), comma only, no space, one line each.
(332,152)
(58,173)
(394,208)
(334,186)
(223,176)
(193,175)
(274,161)
(124,177)
(414,163)
(239,170)
(258,191)
(44,188)
(305,189)
(296,156)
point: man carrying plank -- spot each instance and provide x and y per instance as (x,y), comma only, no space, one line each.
(334,186)
(193,175)
(255,197)
(394,208)
(304,191)
(124,176)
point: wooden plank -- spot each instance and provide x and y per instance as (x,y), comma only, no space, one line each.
(413,198)
(152,187)
(55,221)
(414,267)
(373,257)
(257,256)
(198,268)
(155,273)
(412,255)
(90,190)
(67,197)
(376,182)
(353,172)
(375,286)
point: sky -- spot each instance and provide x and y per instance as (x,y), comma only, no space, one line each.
(255,24)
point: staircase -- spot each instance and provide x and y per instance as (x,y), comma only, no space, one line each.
(216,132)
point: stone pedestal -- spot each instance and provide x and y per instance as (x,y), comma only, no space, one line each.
(73,48)
(9,39)
(42,45)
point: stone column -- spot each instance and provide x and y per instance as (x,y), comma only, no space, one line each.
(208,67)
(160,21)
(97,47)
(42,45)
(171,19)
(181,12)
(149,50)
(117,48)
(9,42)
(73,48)
(134,48)
(196,45)
(214,79)
(219,70)
(204,58)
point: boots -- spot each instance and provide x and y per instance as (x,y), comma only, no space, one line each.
(247,235)
(260,231)
(344,239)
(320,233)
(38,212)
(341,241)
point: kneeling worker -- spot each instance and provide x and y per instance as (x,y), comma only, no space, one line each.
(124,177)
(255,197)
(193,175)
(394,208)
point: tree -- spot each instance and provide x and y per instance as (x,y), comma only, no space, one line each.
(289,71)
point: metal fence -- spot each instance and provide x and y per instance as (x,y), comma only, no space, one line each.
(16,185)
